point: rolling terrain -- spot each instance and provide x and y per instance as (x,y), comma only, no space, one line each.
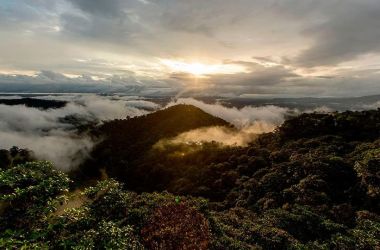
(313,183)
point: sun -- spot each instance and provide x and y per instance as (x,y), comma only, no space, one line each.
(194,68)
(200,69)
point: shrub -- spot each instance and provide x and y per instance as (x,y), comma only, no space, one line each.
(176,226)
(30,191)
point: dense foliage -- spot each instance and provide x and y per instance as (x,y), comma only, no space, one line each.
(14,156)
(314,183)
(126,143)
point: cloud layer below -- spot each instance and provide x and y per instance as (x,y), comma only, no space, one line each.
(248,121)
(46,133)
(51,137)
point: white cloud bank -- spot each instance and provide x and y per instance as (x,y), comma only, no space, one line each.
(248,120)
(243,117)
(44,132)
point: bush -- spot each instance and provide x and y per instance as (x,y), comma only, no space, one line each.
(29,192)
(176,226)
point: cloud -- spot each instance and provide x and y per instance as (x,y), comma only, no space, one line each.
(16,13)
(122,42)
(113,21)
(46,133)
(52,82)
(284,80)
(52,138)
(107,8)
(249,121)
(375,105)
(63,150)
(239,117)
(225,136)
(350,31)
(256,78)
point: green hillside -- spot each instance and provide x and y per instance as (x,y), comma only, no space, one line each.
(314,183)
(125,146)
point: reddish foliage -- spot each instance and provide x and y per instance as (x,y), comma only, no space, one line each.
(176,226)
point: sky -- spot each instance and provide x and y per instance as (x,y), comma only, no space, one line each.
(239,48)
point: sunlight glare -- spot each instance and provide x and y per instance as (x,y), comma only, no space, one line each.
(201,69)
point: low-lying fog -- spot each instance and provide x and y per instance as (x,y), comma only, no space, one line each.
(52,137)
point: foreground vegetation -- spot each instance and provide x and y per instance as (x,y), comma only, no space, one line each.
(314,183)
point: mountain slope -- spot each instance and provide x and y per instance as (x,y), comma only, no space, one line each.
(311,184)
(125,143)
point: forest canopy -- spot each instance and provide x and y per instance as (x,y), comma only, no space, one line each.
(314,183)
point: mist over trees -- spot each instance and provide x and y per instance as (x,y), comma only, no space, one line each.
(313,183)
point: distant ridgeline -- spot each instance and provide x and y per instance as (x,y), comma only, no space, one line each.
(35,103)
(314,183)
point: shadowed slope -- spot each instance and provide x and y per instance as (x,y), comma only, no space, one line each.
(126,142)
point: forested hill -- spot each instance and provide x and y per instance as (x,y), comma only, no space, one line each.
(314,183)
(163,123)
(126,141)
(350,125)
